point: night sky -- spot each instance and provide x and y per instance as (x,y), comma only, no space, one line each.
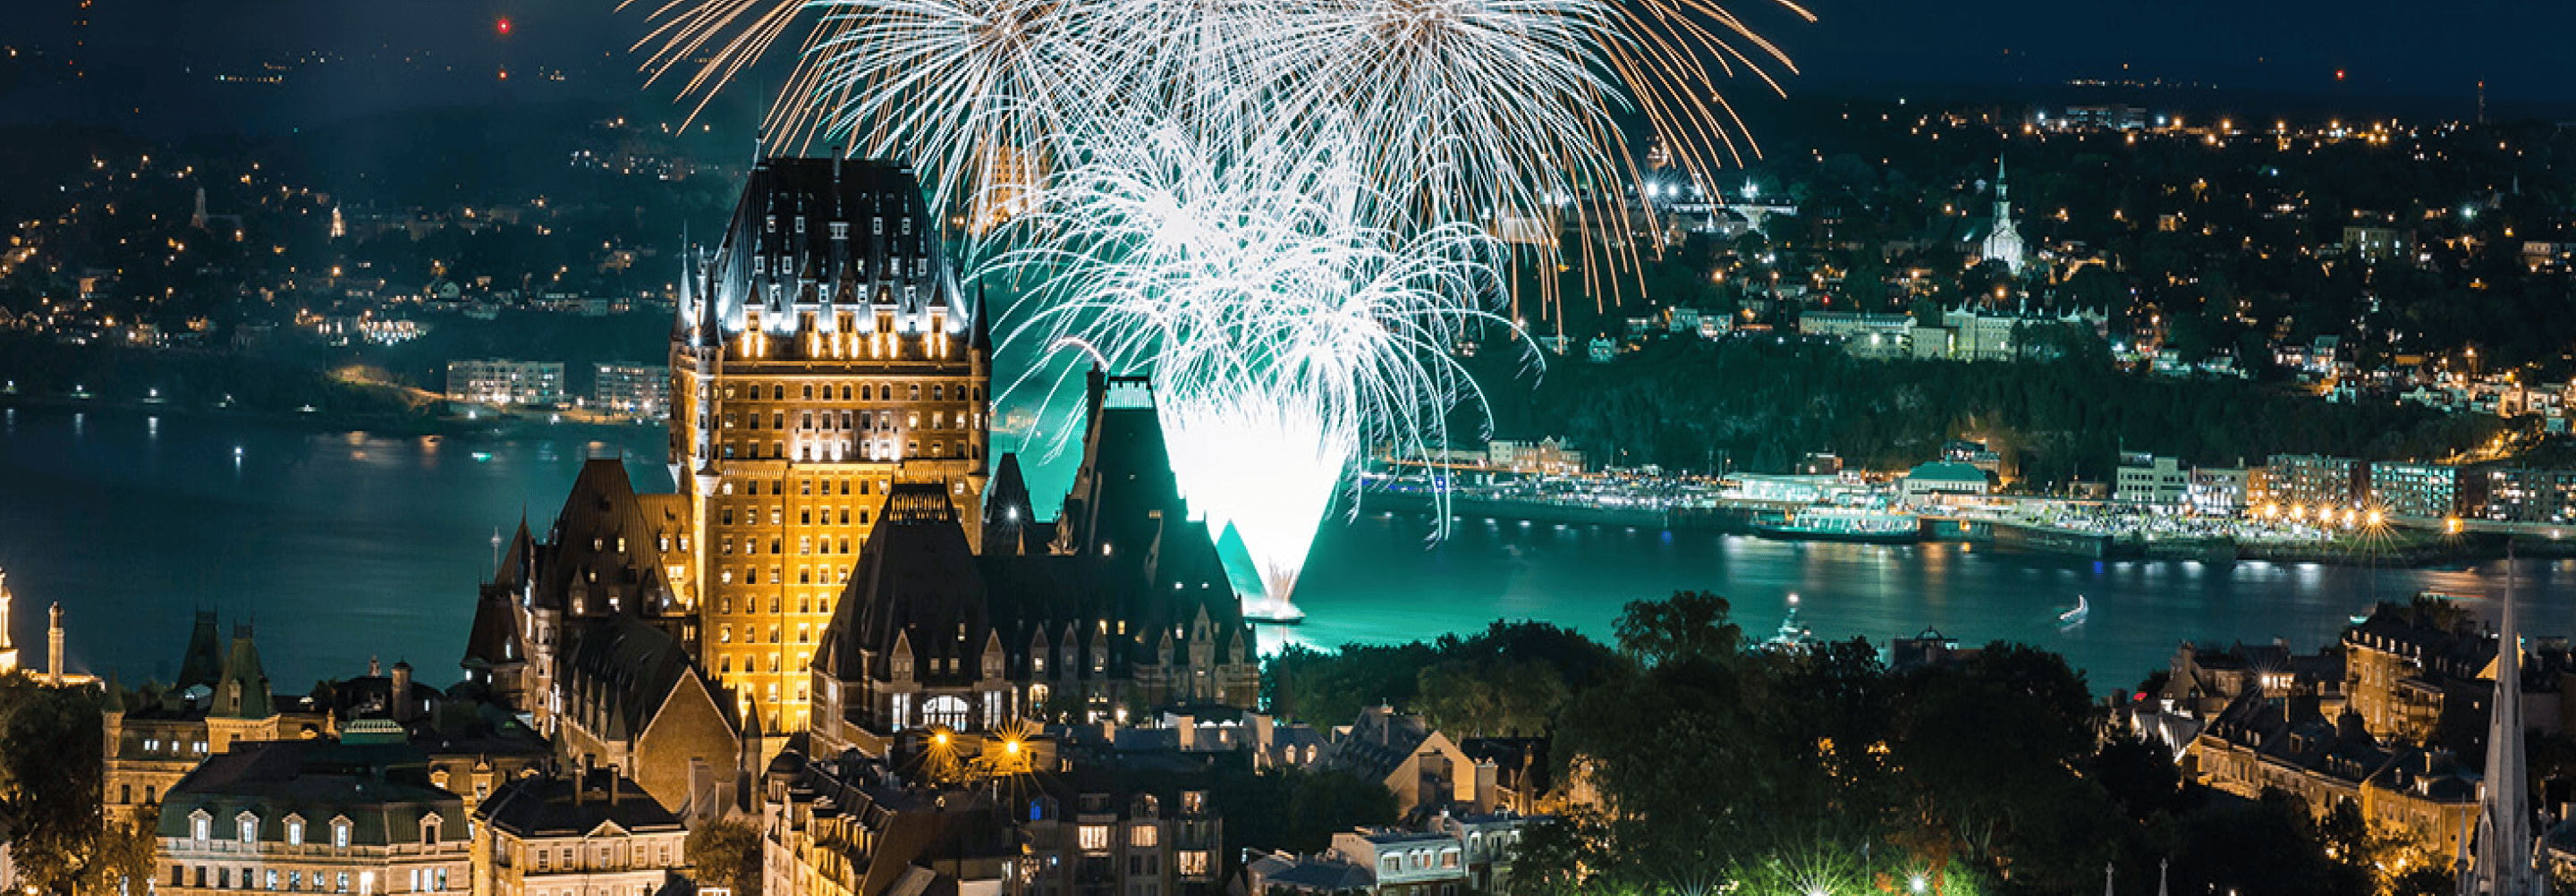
(163,56)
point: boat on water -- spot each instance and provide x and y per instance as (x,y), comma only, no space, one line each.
(1844,524)
(2076,615)
(1792,635)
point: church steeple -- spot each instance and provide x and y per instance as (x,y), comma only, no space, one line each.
(2504,841)
(2003,238)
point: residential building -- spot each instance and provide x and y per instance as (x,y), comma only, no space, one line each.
(2309,481)
(536,384)
(2424,798)
(2148,480)
(1406,863)
(157,735)
(593,832)
(1450,855)
(1547,457)
(2218,491)
(1090,825)
(221,697)
(1426,771)
(2379,242)
(2405,663)
(635,389)
(823,353)
(352,814)
(2423,490)
(2524,495)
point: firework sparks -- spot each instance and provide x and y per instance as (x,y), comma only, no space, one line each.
(1283,210)
(1284,329)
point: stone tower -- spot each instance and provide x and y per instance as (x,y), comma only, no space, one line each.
(54,647)
(8,648)
(823,353)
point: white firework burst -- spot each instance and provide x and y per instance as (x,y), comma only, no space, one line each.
(1286,331)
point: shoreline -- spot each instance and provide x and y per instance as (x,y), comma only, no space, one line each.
(317,421)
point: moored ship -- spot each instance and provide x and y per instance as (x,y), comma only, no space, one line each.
(1844,524)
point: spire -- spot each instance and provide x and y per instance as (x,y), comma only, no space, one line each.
(2162,865)
(983,323)
(2504,858)
(2003,194)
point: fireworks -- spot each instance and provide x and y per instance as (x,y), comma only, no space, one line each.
(1283,210)
(1284,330)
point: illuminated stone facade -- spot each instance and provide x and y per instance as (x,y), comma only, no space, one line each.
(824,354)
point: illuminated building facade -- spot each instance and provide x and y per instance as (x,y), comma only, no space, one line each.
(1122,603)
(823,355)
(354,814)
(506,382)
(2004,242)
(637,389)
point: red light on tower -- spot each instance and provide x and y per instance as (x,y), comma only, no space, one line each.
(2338,72)
(503,25)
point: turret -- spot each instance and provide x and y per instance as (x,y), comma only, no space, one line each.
(8,648)
(54,647)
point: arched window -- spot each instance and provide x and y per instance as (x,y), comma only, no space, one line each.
(944,710)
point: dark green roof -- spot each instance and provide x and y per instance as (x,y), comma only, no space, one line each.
(383,789)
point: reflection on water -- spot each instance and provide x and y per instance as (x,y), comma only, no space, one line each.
(345,546)
(337,546)
(1376,578)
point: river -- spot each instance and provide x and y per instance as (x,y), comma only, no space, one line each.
(342,547)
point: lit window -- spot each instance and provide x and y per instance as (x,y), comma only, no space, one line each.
(1095,838)
(1144,835)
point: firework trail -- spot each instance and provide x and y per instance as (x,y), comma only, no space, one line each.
(1284,210)
(1285,331)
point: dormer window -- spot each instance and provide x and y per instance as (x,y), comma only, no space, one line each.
(341,829)
(201,826)
(246,828)
(294,830)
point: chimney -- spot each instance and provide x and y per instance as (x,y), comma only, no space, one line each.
(615,774)
(702,785)
(581,780)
